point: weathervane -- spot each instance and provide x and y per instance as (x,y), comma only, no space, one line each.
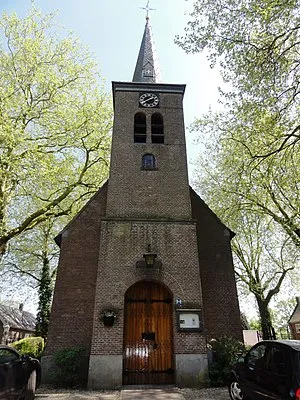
(147,8)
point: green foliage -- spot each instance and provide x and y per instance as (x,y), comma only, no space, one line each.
(256,44)
(255,324)
(281,313)
(251,196)
(249,171)
(31,346)
(55,122)
(266,187)
(257,136)
(68,367)
(225,351)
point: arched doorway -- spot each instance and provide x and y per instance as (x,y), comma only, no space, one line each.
(148,335)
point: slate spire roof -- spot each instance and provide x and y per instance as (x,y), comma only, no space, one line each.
(147,66)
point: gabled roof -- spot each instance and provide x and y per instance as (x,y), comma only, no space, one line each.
(16,318)
(295,317)
(147,66)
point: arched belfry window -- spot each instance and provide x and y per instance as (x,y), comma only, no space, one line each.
(148,161)
(140,132)
(157,128)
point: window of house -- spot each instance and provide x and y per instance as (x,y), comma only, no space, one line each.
(297,328)
(140,132)
(148,161)
(157,128)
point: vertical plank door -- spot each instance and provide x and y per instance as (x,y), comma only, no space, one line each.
(148,335)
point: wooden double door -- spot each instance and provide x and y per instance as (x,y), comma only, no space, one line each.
(148,335)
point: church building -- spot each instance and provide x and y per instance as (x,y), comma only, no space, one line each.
(145,277)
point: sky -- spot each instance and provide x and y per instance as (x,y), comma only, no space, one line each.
(113,30)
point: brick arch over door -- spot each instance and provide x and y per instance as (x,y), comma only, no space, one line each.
(148,334)
(167,280)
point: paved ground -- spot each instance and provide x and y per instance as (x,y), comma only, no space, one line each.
(129,394)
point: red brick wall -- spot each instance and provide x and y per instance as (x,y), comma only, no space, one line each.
(219,293)
(122,246)
(71,321)
(136,193)
(295,335)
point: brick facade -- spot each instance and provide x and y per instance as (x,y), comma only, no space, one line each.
(102,249)
(220,301)
(122,245)
(294,321)
(71,320)
(134,192)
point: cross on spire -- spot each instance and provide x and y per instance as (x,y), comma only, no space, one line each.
(147,8)
(147,66)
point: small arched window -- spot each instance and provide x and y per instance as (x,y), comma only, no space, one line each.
(148,161)
(140,132)
(157,128)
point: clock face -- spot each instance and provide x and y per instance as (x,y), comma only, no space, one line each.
(149,100)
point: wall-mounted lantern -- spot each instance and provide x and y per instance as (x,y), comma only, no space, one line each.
(149,257)
(108,317)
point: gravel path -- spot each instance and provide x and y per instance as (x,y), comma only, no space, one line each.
(45,393)
(205,394)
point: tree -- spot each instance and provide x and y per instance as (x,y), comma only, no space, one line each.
(264,187)
(262,263)
(255,324)
(256,45)
(264,253)
(55,123)
(281,314)
(33,257)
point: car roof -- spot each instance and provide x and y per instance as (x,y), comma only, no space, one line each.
(4,346)
(294,344)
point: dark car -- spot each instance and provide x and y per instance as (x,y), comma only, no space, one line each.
(270,370)
(19,375)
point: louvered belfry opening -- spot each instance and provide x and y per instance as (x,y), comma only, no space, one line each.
(140,128)
(148,335)
(157,128)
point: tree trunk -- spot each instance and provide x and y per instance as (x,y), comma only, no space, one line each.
(265,318)
(3,247)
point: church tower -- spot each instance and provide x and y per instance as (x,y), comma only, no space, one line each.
(145,276)
(148,214)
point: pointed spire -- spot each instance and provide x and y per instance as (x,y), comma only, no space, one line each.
(147,67)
